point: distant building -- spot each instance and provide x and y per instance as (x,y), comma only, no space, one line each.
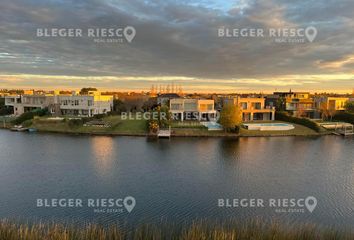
(163,99)
(192,109)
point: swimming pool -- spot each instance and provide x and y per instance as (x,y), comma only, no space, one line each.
(212,126)
(269,126)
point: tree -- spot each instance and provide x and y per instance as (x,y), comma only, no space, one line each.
(150,104)
(327,113)
(300,112)
(4,110)
(324,111)
(85,91)
(119,106)
(349,106)
(164,116)
(280,104)
(230,117)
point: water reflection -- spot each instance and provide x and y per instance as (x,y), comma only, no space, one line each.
(102,149)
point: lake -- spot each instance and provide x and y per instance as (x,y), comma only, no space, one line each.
(177,180)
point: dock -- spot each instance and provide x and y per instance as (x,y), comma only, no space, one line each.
(346,129)
(164,133)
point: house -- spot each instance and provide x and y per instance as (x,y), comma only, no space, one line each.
(331,103)
(298,104)
(28,102)
(70,104)
(163,98)
(192,109)
(82,105)
(253,108)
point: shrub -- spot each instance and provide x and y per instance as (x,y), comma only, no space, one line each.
(283,116)
(30,115)
(75,122)
(345,117)
(99,116)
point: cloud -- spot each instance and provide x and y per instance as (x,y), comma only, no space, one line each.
(176,39)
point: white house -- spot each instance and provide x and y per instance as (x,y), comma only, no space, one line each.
(82,105)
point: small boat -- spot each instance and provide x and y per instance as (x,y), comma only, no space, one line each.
(22,129)
(19,128)
(32,130)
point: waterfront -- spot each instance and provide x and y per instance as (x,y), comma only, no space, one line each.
(176,180)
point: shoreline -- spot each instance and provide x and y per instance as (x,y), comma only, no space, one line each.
(176,135)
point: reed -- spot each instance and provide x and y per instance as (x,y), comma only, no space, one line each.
(198,230)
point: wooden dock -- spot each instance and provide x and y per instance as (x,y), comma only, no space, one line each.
(164,133)
(345,130)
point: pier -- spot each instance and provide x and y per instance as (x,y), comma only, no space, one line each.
(346,129)
(164,133)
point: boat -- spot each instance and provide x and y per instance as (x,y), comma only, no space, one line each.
(19,128)
(32,130)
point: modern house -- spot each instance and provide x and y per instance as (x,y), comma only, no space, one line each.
(298,104)
(192,109)
(78,105)
(25,103)
(82,105)
(253,108)
(331,103)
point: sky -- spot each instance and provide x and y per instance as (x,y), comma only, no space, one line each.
(177,42)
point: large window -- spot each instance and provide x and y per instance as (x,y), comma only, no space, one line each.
(256,105)
(176,106)
(243,105)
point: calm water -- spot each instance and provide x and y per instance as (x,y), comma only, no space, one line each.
(179,179)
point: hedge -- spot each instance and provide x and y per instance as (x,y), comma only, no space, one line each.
(345,117)
(283,116)
(30,115)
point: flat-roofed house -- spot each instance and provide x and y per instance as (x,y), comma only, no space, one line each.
(331,103)
(82,105)
(253,108)
(298,104)
(28,102)
(192,109)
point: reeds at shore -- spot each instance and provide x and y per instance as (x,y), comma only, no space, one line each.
(199,230)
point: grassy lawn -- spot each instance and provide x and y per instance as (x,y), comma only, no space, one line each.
(117,126)
(138,126)
(7,121)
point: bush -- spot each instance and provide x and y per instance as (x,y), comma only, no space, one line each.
(75,123)
(345,117)
(283,116)
(30,115)
(99,116)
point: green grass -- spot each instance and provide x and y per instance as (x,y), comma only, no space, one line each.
(199,230)
(7,121)
(117,126)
